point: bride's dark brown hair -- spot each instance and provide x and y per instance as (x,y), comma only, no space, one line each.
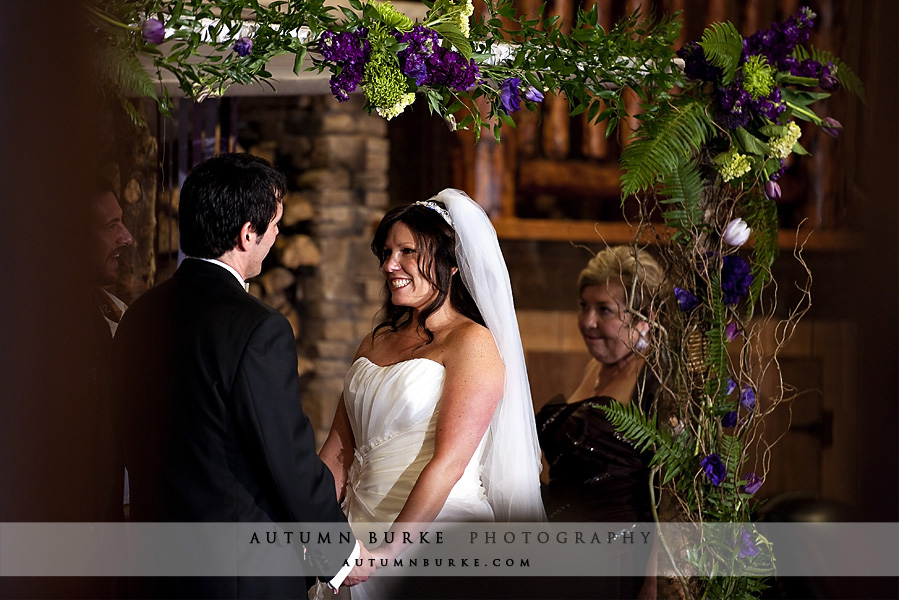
(435,250)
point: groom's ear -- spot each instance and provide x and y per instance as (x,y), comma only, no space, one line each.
(245,237)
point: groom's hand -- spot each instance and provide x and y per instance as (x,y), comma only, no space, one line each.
(364,567)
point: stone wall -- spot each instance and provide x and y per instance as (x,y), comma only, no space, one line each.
(321,273)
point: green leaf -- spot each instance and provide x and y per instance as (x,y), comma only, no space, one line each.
(750,143)
(802,98)
(794,80)
(672,140)
(683,189)
(298,60)
(722,46)
(455,37)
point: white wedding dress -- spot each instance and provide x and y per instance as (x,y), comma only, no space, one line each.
(393,411)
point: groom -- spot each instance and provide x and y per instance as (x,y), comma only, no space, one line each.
(214,427)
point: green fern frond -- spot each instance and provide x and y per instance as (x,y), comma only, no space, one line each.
(121,69)
(683,189)
(730,449)
(716,346)
(643,431)
(722,46)
(849,80)
(674,139)
(762,217)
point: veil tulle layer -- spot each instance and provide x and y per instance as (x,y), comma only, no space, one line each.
(512,463)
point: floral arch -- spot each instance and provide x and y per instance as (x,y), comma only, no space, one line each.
(718,119)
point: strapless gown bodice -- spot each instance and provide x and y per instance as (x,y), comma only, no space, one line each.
(393,411)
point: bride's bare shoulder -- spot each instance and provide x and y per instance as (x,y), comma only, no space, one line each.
(468,339)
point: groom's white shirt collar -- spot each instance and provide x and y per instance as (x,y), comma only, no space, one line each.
(237,275)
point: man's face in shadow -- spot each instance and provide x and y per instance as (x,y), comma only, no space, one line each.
(110,235)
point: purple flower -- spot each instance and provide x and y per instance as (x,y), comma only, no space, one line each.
(153,31)
(695,64)
(736,279)
(748,397)
(714,469)
(448,68)
(731,107)
(732,330)
(770,106)
(729,419)
(243,46)
(828,81)
(532,94)
(832,126)
(753,483)
(730,386)
(509,95)
(772,190)
(748,547)
(349,47)
(349,51)
(686,300)
(808,68)
(777,43)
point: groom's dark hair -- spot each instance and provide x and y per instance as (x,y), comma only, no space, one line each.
(435,245)
(220,195)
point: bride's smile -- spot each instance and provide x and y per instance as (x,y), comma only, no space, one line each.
(400,267)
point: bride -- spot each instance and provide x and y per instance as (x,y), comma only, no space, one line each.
(437,395)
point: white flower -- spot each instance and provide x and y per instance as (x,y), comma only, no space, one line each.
(736,233)
(392,111)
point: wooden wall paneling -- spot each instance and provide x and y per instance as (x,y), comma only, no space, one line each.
(717,11)
(528,123)
(594,143)
(835,342)
(570,177)
(555,130)
(787,8)
(629,124)
(751,20)
(815,209)
(670,7)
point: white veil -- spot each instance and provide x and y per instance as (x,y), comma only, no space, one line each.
(512,459)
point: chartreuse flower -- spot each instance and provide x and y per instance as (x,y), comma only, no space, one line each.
(731,164)
(758,79)
(392,111)
(385,84)
(461,17)
(394,19)
(781,146)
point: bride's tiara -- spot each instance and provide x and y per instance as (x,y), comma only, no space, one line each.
(441,211)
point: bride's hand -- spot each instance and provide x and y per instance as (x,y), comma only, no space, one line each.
(383,552)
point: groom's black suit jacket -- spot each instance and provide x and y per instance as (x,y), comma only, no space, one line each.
(214,426)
